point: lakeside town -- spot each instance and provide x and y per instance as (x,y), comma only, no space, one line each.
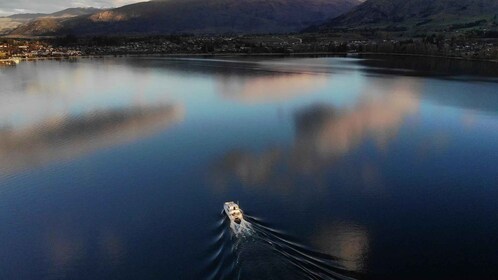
(14,50)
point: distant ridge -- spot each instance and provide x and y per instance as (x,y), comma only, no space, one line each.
(9,23)
(73,12)
(412,15)
(195,17)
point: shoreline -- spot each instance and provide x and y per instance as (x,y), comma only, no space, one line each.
(306,54)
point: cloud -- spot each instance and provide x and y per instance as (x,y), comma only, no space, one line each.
(8,7)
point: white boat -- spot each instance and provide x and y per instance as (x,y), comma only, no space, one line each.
(238,224)
(233,212)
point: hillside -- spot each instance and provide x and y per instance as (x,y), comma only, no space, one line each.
(418,15)
(42,25)
(73,12)
(9,23)
(200,17)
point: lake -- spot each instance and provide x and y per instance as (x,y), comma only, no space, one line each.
(347,168)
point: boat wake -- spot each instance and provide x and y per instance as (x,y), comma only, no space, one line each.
(244,229)
(254,250)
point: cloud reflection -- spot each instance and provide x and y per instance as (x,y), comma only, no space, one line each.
(112,247)
(269,88)
(65,247)
(68,136)
(349,242)
(323,135)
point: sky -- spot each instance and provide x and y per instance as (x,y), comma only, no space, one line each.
(9,7)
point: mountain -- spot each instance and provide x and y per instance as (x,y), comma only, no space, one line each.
(73,12)
(198,17)
(9,23)
(417,15)
(26,16)
(38,26)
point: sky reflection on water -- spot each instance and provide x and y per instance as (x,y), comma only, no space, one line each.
(118,168)
(325,133)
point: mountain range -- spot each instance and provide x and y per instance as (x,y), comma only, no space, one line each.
(417,15)
(195,17)
(160,17)
(9,23)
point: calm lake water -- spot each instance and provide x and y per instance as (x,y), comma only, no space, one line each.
(363,168)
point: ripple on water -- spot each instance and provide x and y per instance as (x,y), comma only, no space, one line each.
(255,250)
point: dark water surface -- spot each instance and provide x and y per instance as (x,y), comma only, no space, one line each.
(367,168)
